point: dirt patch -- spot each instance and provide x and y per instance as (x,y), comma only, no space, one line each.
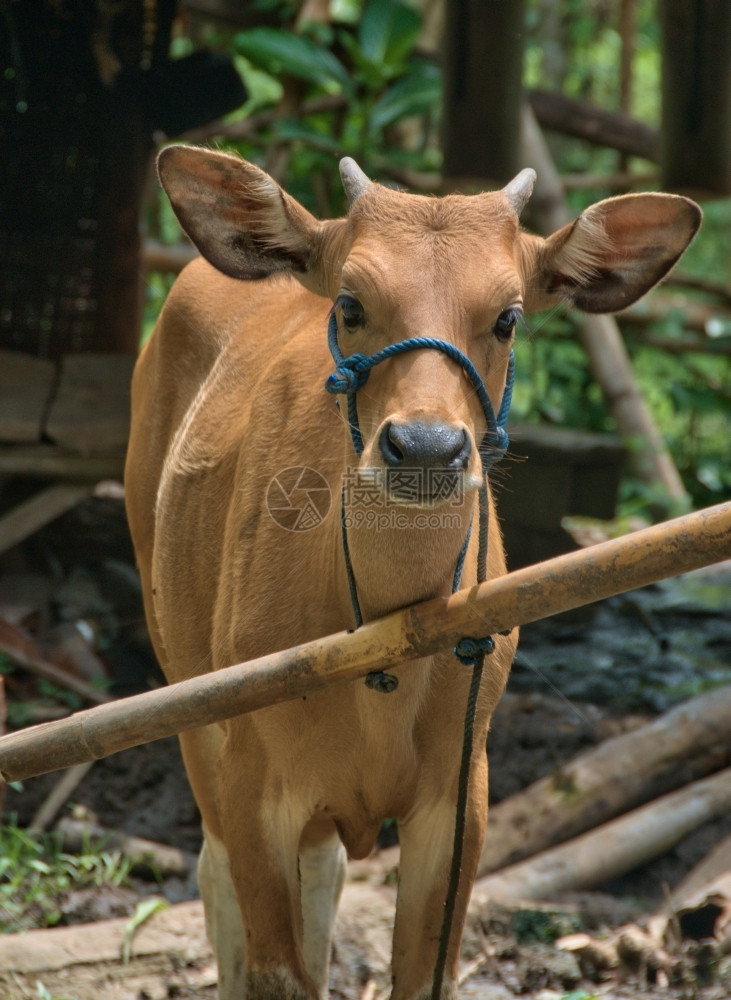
(578,679)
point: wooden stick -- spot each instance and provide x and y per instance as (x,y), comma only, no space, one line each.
(34,513)
(621,181)
(682,280)
(170,259)
(23,650)
(682,745)
(51,461)
(59,795)
(527,595)
(613,849)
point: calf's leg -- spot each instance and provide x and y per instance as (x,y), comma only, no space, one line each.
(261,827)
(223,918)
(322,864)
(427,840)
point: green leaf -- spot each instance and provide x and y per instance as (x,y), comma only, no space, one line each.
(143,912)
(43,993)
(388,32)
(286,129)
(416,94)
(278,52)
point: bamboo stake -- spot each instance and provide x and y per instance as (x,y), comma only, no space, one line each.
(527,595)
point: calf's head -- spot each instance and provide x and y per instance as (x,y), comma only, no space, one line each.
(458,269)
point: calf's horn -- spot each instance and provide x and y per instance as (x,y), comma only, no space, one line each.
(354,180)
(519,190)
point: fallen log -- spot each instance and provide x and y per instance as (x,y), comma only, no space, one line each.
(23,650)
(585,120)
(623,772)
(716,865)
(145,855)
(59,795)
(615,848)
(535,592)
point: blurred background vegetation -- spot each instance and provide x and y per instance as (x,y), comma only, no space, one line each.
(367,81)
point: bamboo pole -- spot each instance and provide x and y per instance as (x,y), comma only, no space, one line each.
(527,595)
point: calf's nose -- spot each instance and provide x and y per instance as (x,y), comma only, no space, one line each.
(426,446)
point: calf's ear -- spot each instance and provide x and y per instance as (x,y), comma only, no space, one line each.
(237,216)
(612,254)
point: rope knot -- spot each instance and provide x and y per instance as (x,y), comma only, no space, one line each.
(469,650)
(494,445)
(349,376)
(377,680)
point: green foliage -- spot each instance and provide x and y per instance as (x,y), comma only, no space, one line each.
(277,52)
(574,47)
(35,873)
(543,926)
(370,63)
(359,86)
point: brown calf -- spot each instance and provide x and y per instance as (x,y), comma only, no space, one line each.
(236,463)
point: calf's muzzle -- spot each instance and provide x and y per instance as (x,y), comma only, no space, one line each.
(419,449)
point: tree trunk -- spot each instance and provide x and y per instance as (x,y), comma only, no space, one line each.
(482,91)
(696,95)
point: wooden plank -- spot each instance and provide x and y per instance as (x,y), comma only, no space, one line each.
(39,510)
(46,460)
(90,412)
(25,388)
(179,929)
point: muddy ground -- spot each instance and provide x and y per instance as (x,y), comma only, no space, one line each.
(578,679)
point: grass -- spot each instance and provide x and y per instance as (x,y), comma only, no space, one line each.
(35,873)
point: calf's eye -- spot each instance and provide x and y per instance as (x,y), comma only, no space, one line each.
(352,312)
(505,323)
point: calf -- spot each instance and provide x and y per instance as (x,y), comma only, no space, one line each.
(264,516)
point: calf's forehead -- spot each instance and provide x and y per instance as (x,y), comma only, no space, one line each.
(458,243)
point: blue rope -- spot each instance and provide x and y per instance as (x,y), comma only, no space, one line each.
(348,564)
(350,375)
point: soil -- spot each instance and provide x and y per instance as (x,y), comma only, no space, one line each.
(578,679)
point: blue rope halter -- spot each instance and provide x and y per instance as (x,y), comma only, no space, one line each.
(351,374)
